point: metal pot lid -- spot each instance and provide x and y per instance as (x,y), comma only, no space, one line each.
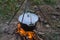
(28,18)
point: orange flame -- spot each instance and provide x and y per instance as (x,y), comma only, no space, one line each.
(22,32)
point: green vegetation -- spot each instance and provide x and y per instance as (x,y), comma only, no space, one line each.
(50,2)
(7,8)
(37,2)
